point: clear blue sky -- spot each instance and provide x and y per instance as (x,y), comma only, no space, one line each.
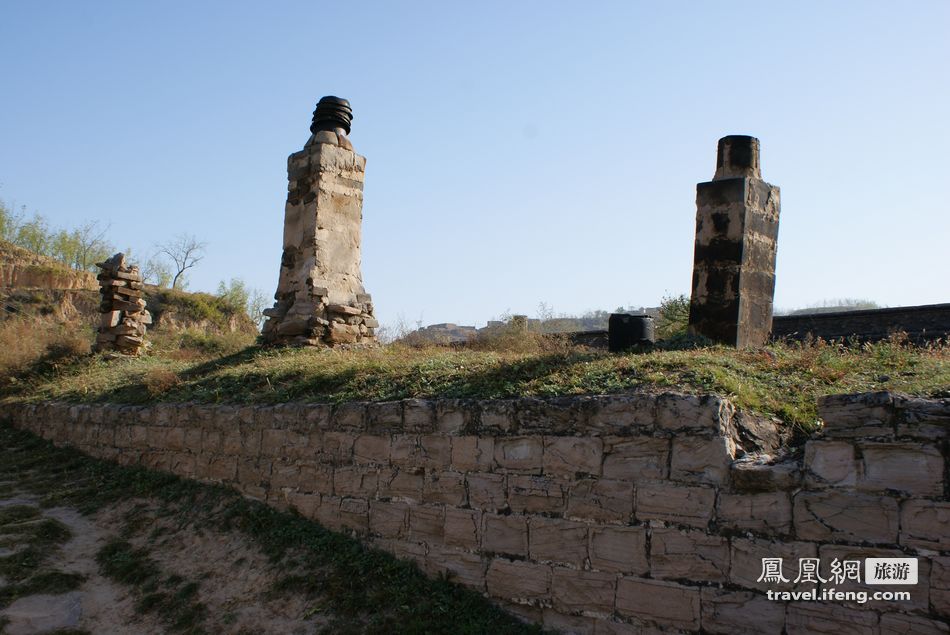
(518,152)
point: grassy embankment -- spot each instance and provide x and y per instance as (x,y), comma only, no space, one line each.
(782,379)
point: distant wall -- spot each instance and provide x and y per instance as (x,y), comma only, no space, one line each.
(924,322)
(620,514)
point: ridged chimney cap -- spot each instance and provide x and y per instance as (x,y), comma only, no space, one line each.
(332,113)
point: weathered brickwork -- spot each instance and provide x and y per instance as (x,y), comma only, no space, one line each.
(619,514)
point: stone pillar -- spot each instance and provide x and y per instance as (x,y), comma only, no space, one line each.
(123,317)
(320,296)
(734,260)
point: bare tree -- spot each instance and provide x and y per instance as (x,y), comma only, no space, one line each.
(185,252)
(91,245)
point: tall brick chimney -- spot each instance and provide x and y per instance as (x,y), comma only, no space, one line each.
(320,296)
(737,217)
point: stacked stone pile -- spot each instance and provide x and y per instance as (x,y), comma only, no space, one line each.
(124,318)
(318,322)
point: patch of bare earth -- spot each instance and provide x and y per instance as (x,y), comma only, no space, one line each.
(233,578)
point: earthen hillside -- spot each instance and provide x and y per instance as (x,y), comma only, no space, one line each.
(36,286)
(22,268)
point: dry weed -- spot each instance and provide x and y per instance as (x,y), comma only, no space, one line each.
(158,381)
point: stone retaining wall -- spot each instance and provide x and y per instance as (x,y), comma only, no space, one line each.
(621,514)
(921,323)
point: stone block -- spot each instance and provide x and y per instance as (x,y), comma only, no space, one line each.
(354,514)
(940,586)
(636,458)
(675,411)
(156,437)
(382,417)
(401,485)
(557,540)
(426,524)
(305,504)
(282,473)
(923,418)
(371,449)
(496,415)
(193,440)
(604,500)
(389,520)
(357,482)
(665,603)
(181,463)
(522,582)
(472,453)
(418,415)
(903,624)
(620,549)
(746,556)
(328,513)
(505,534)
(566,457)
(435,451)
(688,555)
(914,468)
(740,613)
(862,415)
(680,504)
(487,491)
(611,414)
(337,448)
(830,463)
(312,477)
(554,416)
(767,512)
(462,528)
(452,416)
(759,476)
(316,416)
(814,618)
(460,566)
(405,451)
(535,494)
(221,468)
(175,439)
(925,525)
(519,454)
(273,442)
(410,551)
(702,460)
(349,416)
(588,592)
(849,516)
(444,487)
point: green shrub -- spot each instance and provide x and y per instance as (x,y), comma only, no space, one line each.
(673,321)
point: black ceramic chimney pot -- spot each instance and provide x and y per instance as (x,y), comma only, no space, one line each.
(332,113)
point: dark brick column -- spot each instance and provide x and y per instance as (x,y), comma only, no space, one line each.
(734,260)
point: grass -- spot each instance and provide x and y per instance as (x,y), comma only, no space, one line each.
(33,539)
(169,596)
(360,590)
(783,379)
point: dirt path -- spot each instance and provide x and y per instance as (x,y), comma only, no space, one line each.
(231,579)
(97,605)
